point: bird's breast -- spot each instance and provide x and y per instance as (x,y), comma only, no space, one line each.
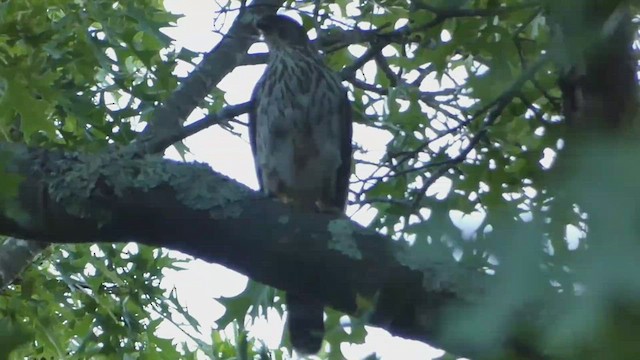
(298,121)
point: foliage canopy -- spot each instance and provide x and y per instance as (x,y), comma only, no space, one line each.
(479,172)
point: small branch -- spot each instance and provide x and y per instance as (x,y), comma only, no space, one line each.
(498,105)
(384,66)
(336,39)
(227,113)
(360,84)
(167,119)
(348,72)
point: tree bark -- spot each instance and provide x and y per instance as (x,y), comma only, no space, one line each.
(67,198)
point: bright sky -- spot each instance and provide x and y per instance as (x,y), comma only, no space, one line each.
(231,156)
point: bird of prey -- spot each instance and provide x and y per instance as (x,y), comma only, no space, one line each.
(300,130)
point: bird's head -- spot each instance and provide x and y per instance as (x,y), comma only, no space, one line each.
(282,31)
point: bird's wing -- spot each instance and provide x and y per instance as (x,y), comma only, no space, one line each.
(253,118)
(344,170)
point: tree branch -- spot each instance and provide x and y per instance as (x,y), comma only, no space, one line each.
(222,59)
(165,127)
(228,112)
(76,198)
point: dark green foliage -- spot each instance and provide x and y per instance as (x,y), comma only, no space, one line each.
(61,59)
(468,92)
(84,301)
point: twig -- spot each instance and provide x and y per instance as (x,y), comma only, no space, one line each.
(498,105)
(348,72)
(228,112)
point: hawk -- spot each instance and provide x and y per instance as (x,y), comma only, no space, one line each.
(300,131)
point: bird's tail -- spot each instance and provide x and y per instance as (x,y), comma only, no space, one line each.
(306,323)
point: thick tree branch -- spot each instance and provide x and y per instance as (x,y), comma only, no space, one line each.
(190,208)
(165,128)
(221,60)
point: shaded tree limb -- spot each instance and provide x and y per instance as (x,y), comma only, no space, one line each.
(166,129)
(187,207)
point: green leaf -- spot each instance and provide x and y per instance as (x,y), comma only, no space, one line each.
(237,307)
(12,336)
